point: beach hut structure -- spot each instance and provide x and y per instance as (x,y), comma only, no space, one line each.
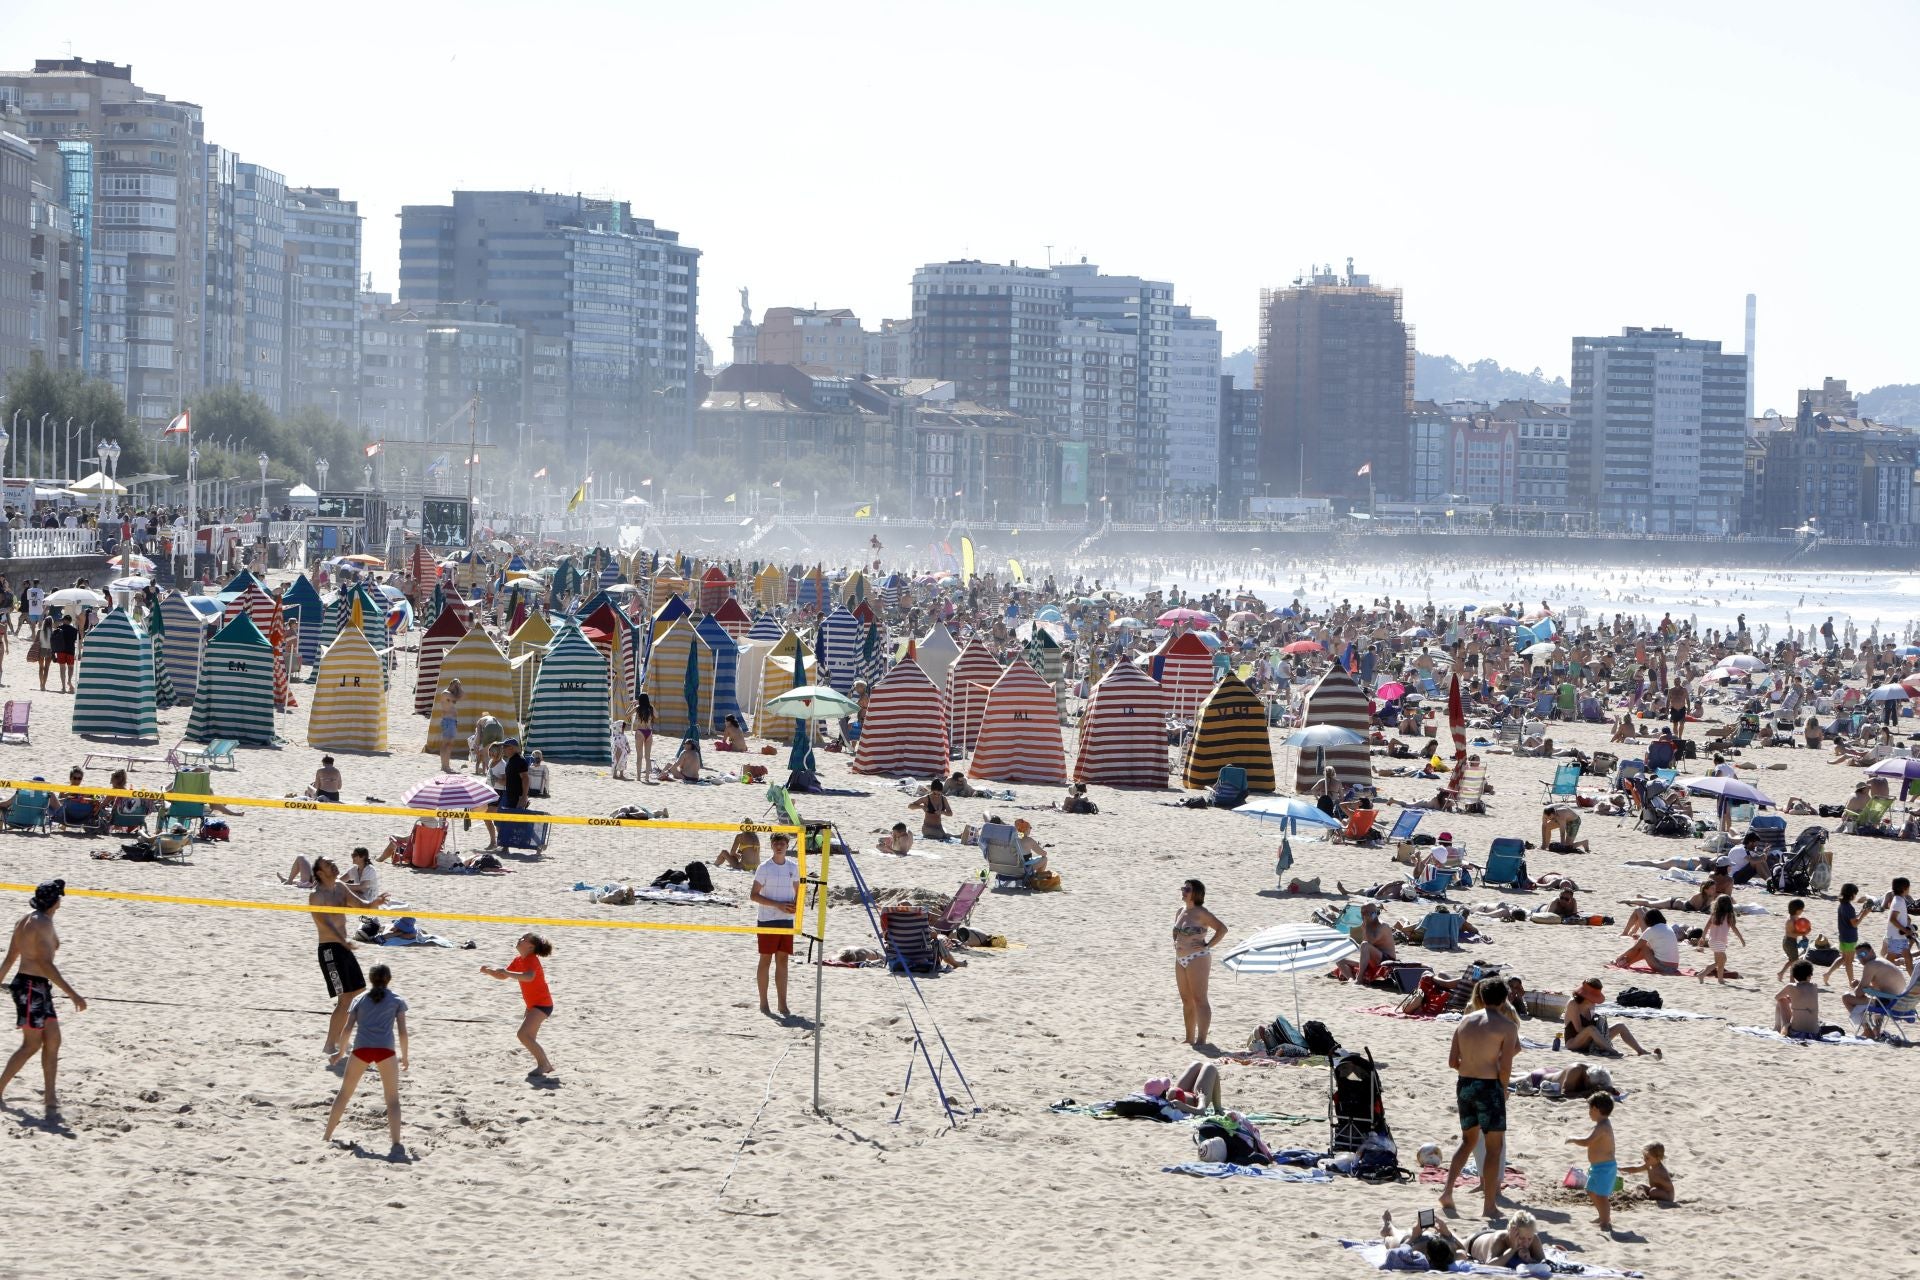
(301,603)
(1019,733)
(935,653)
(734,618)
(865,613)
(786,666)
(349,696)
(622,643)
(1123,735)
(181,648)
(749,671)
(1184,667)
(969,680)
(766,627)
(673,649)
(1230,728)
(533,634)
(567,720)
(726,669)
(715,586)
(904,732)
(234,698)
(893,589)
(255,603)
(873,654)
(770,587)
(486,688)
(163,694)
(434,643)
(670,611)
(668,583)
(240,582)
(1337,699)
(812,592)
(1045,656)
(853,589)
(113,694)
(840,649)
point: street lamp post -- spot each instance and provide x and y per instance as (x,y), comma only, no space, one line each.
(263,460)
(366,474)
(110,463)
(321,465)
(193,532)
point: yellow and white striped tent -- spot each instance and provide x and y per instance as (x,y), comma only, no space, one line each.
(349,697)
(666,681)
(486,687)
(777,675)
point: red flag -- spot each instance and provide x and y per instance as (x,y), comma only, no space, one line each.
(1457,725)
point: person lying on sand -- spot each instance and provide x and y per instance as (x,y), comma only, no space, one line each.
(1195,1092)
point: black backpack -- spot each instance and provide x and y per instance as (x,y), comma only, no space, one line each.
(698,878)
(1638,998)
(1320,1042)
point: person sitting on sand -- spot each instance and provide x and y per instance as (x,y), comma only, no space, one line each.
(1815,735)
(1564,906)
(1588,1032)
(898,841)
(1623,728)
(1375,937)
(1656,944)
(1077,801)
(326,783)
(1515,1245)
(743,854)
(732,737)
(933,807)
(686,764)
(1796,1006)
(1653,1163)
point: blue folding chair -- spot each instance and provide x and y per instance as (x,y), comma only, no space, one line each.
(29,810)
(1440,931)
(1404,824)
(1566,781)
(1506,861)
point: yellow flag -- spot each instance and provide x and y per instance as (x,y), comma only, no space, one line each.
(732,496)
(1019,574)
(579,496)
(864,513)
(966,559)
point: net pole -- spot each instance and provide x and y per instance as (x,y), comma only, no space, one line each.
(823,834)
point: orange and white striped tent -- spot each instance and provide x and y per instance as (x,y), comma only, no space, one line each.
(969,679)
(253,602)
(1123,735)
(904,731)
(1020,732)
(1184,668)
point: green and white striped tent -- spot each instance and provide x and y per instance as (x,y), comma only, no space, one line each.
(568,722)
(163,694)
(113,686)
(235,697)
(186,638)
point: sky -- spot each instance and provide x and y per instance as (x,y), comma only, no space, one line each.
(1524,172)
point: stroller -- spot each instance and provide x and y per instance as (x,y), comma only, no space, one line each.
(1354,1107)
(1658,814)
(1806,868)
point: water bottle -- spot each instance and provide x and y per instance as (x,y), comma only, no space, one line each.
(1556,1043)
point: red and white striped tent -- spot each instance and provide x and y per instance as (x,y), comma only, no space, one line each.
(1123,735)
(968,680)
(904,731)
(434,642)
(1184,668)
(733,618)
(1336,698)
(1020,732)
(715,586)
(253,602)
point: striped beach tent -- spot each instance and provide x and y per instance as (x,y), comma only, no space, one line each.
(666,681)
(749,670)
(840,649)
(1230,728)
(1123,735)
(486,688)
(240,582)
(625,651)
(349,697)
(785,666)
(1045,656)
(534,633)
(766,627)
(235,695)
(113,683)
(969,680)
(734,618)
(726,672)
(422,569)
(1184,667)
(935,653)
(668,584)
(893,589)
(301,602)
(434,643)
(813,589)
(163,694)
(567,721)
(186,638)
(865,613)
(1336,698)
(670,611)
(873,654)
(904,732)
(1019,732)
(373,614)
(715,586)
(853,589)
(255,603)
(770,587)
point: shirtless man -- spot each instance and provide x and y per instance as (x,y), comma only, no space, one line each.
(326,782)
(1375,937)
(33,944)
(1876,976)
(1796,1006)
(337,963)
(1484,1046)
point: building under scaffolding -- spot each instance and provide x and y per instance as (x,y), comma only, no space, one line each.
(1336,381)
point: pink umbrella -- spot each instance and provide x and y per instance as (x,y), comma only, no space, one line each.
(1192,617)
(1389,691)
(1303,646)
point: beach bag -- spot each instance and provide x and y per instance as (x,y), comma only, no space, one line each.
(1044,882)
(698,879)
(1318,1040)
(1638,998)
(214,829)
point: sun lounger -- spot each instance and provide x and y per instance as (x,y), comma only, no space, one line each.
(958,911)
(218,752)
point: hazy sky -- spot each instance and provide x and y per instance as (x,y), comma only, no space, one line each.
(1524,172)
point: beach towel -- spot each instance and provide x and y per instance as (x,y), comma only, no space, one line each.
(415,940)
(1374,1253)
(1269,1172)
(1435,1176)
(1654,1015)
(1766,1033)
(1639,966)
(1105,1111)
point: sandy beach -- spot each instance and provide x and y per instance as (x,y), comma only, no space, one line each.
(195,1089)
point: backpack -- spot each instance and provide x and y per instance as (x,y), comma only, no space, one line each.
(698,878)
(1318,1040)
(1638,998)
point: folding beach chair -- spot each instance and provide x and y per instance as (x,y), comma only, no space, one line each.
(1440,931)
(1471,798)
(1506,861)
(908,935)
(1771,828)
(218,752)
(999,844)
(1566,781)
(1883,1007)
(1872,814)
(960,909)
(1230,787)
(530,836)
(14,720)
(1436,884)
(187,815)
(1359,826)
(1403,826)
(28,811)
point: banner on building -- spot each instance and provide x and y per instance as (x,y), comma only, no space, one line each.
(445,522)
(1073,473)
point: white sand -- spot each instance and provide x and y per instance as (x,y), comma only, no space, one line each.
(195,1092)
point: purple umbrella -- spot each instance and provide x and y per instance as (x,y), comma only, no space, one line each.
(1897,767)
(449,791)
(1730,789)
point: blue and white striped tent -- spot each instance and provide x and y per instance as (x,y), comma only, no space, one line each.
(671,610)
(302,603)
(235,697)
(113,684)
(567,720)
(726,673)
(186,638)
(840,649)
(609,574)
(873,653)
(891,588)
(766,627)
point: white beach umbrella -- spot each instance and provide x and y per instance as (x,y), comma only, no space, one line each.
(1289,948)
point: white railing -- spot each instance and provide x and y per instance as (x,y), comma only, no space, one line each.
(55,544)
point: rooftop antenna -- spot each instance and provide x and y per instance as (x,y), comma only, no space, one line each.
(1049,255)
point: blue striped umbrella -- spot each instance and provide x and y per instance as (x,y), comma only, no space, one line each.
(1289,948)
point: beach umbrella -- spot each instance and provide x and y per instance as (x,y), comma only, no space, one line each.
(164,695)
(1890,693)
(1741,662)
(1126,624)
(1896,767)
(1207,638)
(134,583)
(1732,790)
(813,702)
(79,597)
(1192,617)
(690,689)
(1499,620)
(1319,737)
(1540,650)
(1416,633)
(131,562)
(1390,690)
(1289,948)
(1909,651)
(449,791)
(1242,618)
(1287,810)
(1303,646)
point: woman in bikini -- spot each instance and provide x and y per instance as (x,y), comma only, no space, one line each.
(446,711)
(643,732)
(933,807)
(1196,931)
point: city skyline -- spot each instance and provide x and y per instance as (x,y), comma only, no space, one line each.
(1577,206)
